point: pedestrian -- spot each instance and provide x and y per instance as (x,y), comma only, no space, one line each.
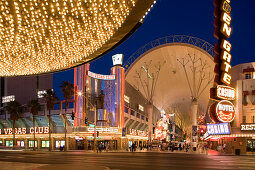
(133,147)
(100,147)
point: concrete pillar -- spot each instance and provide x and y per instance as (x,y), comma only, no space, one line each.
(39,144)
(26,143)
(53,143)
(150,116)
(67,143)
(194,121)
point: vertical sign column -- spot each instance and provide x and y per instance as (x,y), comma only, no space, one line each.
(119,73)
(222,110)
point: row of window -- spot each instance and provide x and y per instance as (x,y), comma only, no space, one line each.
(252,119)
(132,112)
(44,143)
(249,75)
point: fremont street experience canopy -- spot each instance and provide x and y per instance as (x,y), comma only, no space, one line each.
(46,36)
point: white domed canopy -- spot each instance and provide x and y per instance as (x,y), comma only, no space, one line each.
(172,87)
(46,36)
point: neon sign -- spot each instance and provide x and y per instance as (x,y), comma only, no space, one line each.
(22,131)
(100,76)
(223,48)
(225,92)
(247,127)
(218,129)
(225,111)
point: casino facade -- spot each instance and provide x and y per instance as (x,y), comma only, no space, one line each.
(237,137)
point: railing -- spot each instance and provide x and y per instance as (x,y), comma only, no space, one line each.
(170,39)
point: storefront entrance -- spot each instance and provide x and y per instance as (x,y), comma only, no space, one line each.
(104,144)
(80,144)
(250,145)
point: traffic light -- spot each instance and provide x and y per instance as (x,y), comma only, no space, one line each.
(202,131)
(97,134)
(73,117)
(86,121)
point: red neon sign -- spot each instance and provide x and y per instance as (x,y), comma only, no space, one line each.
(225,111)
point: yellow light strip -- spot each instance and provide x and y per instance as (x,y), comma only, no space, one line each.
(43,36)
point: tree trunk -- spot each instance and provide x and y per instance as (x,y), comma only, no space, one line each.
(13,132)
(49,130)
(34,129)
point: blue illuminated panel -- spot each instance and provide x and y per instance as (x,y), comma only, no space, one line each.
(218,129)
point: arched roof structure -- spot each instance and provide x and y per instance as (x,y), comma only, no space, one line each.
(172,87)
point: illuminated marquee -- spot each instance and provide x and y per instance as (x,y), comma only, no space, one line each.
(218,129)
(22,131)
(100,76)
(6,99)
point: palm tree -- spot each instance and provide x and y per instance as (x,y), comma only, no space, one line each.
(14,108)
(50,98)
(67,89)
(34,106)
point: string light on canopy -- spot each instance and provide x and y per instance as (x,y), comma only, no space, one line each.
(45,36)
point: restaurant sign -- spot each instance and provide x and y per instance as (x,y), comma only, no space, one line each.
(248,127)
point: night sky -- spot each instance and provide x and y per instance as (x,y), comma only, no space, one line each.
(186,17)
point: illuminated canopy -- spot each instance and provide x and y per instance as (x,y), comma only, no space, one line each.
(46,36)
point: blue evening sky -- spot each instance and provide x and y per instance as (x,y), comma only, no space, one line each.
(184,17)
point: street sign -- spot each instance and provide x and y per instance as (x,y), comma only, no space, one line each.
(91,125)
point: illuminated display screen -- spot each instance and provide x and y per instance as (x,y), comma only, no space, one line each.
(218,129)
(45,144)
(31,143)
(60,143)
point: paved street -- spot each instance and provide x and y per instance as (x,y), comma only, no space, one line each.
(126,161)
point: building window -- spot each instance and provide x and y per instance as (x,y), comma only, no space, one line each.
(253,119)
(142,117)
(45,144)
(247,75)
(137,115)
(245,100)
(132,112)
(31,143)
(126,110)
(244,119)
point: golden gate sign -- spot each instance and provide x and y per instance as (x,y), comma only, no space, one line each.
(223,47)
(222,61)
